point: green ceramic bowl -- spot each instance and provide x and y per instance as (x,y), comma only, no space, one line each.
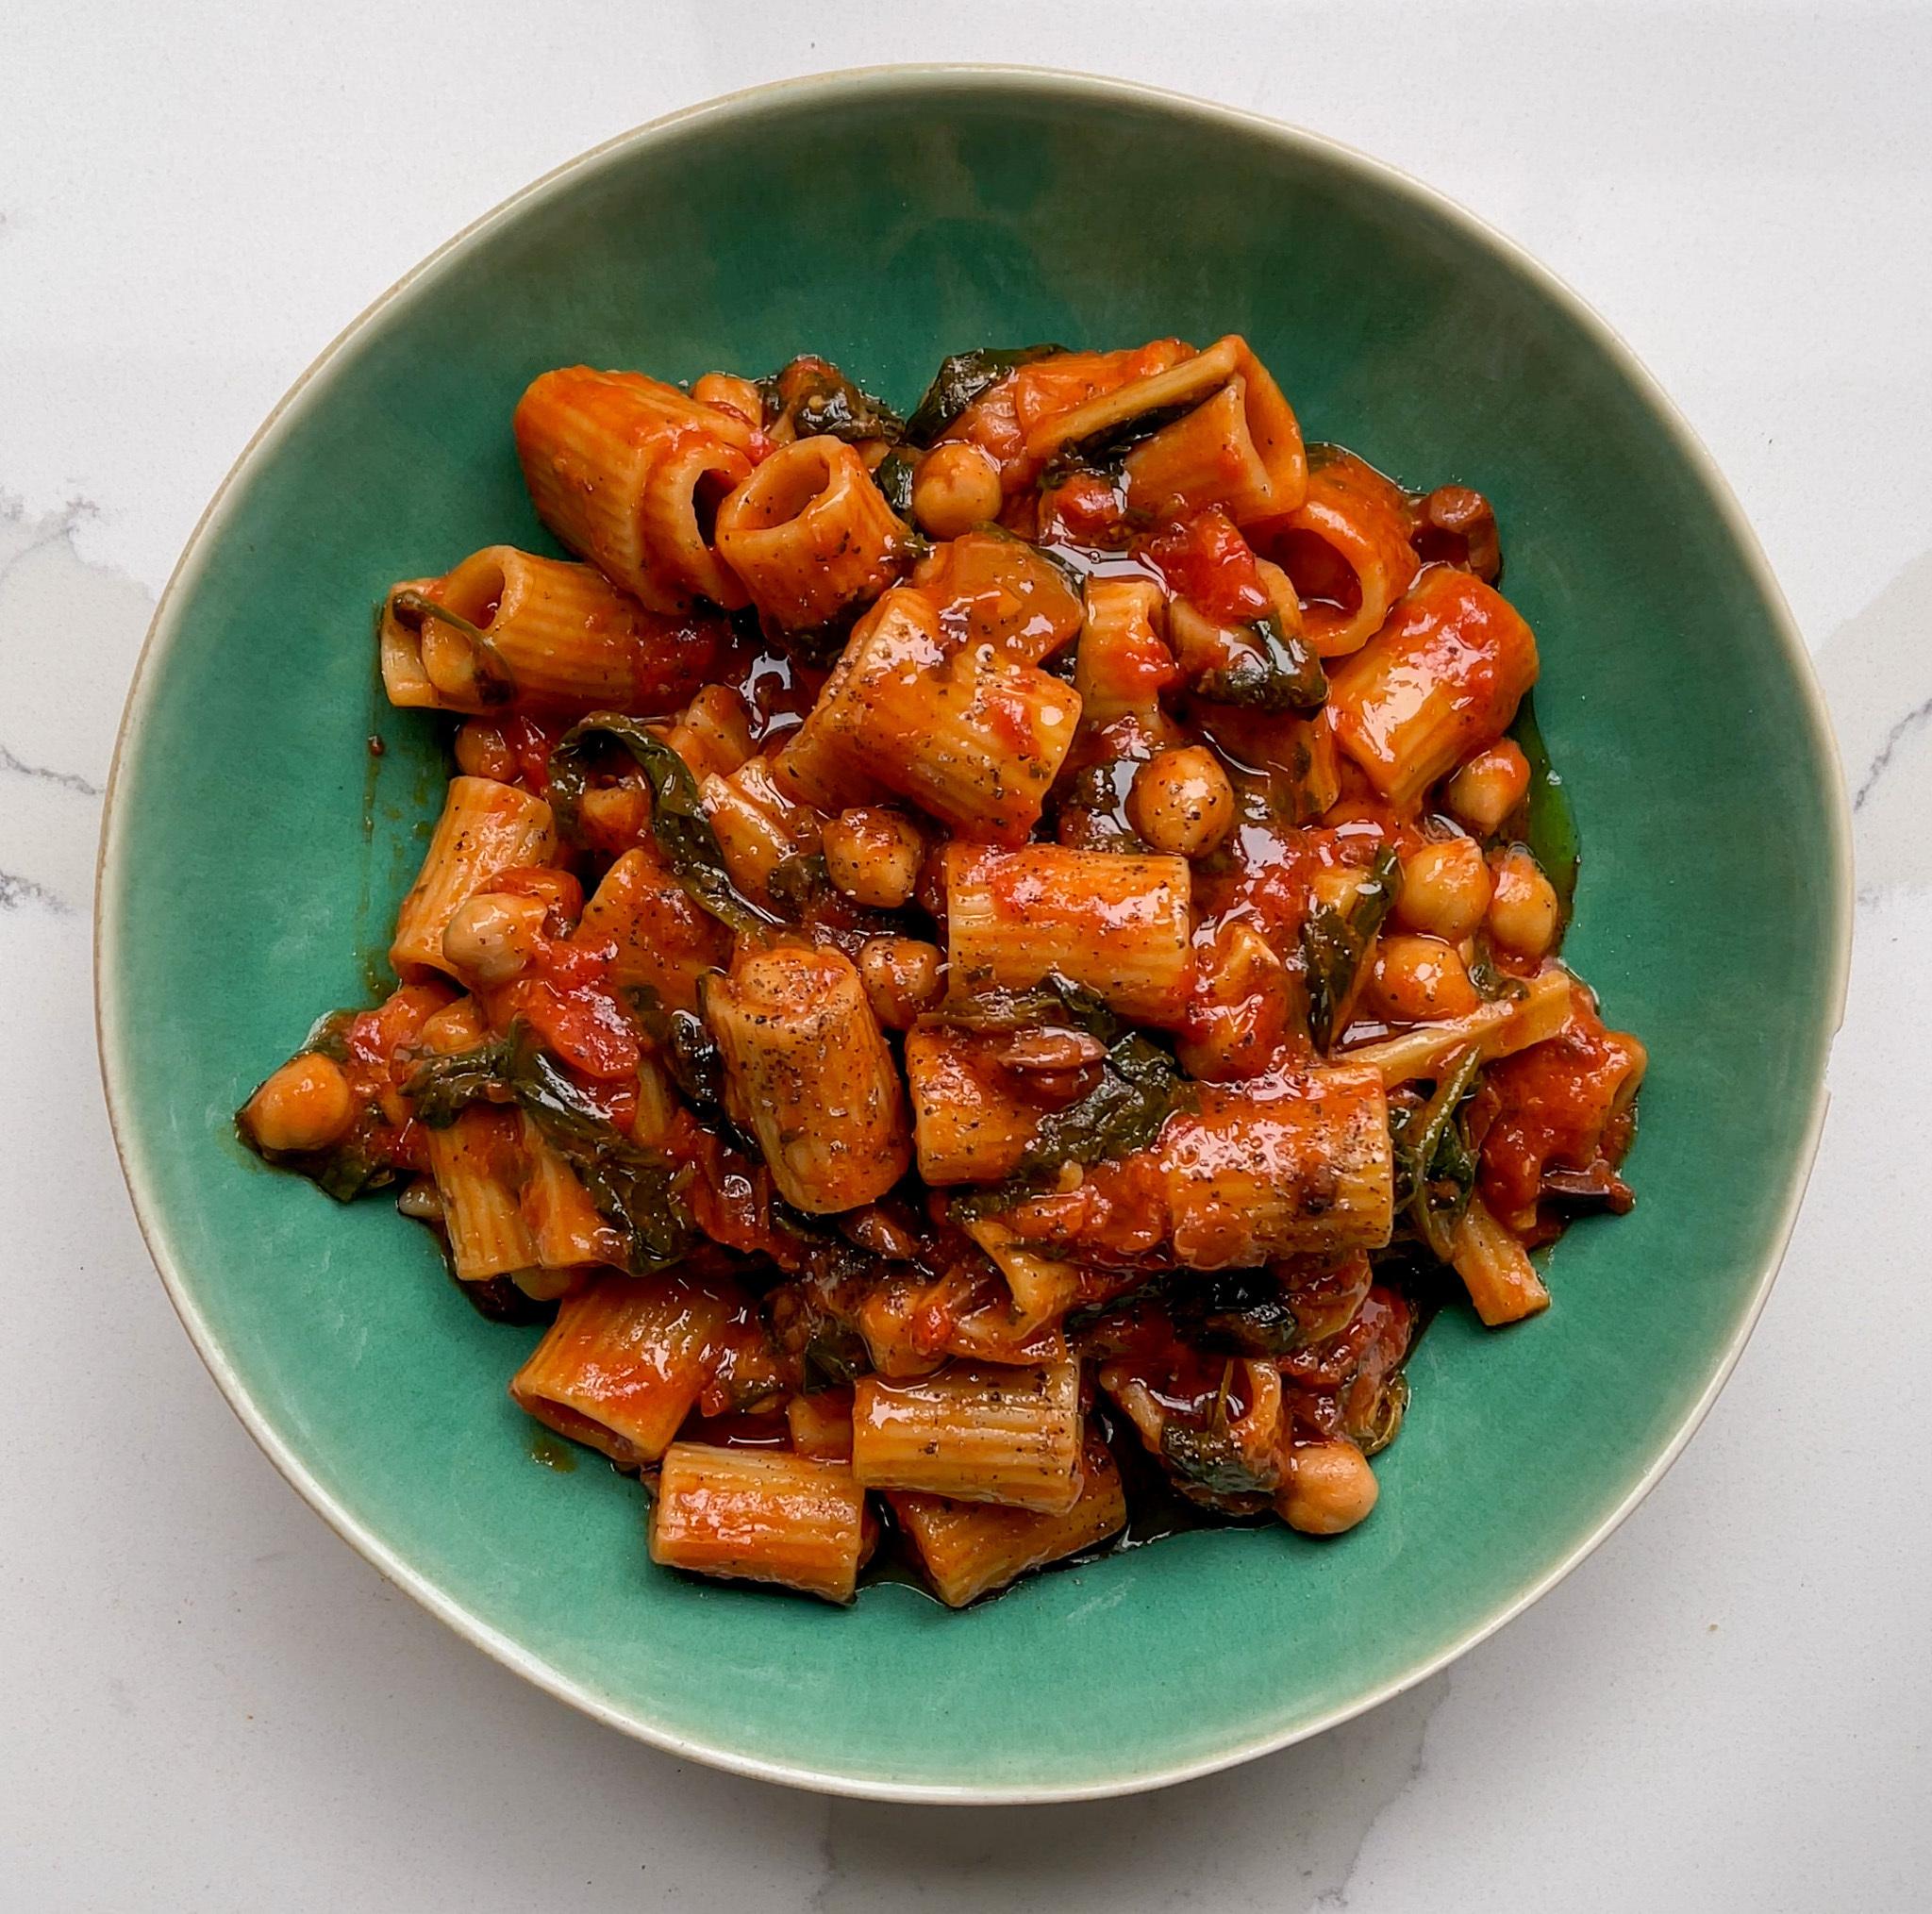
(253,851)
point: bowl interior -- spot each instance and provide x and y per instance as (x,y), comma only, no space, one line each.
(256,849)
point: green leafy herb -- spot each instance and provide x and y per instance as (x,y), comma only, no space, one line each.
(797,881)
(1140,1087)
(1389,1410)
(820,401)
(1550,829)
(679,822)
(1334,945)
(1244,1312)
(1053,1000)
(893,476)
(1212,1460)
(1277,674)
(495,682)
(1436,1168)
(962,378)
(639,1191)
(1105,452)
(1491,985)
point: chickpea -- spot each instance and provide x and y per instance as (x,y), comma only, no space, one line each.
(1488,787)
(1445,890)
(955,488)
(305,1105)
(1524,916)
(1334,886)
(734,393)
(1181,802)
(491,937)
(1331,1488)
(872,855)
(901,975)
(482,751)
(1419,980)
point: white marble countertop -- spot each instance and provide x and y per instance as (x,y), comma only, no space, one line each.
(210,1702)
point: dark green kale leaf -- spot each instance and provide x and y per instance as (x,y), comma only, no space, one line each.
(640,1193)
(1276,673)
(893,476)
(679,822)
(495,682)
(1334,945)
(964,377)
(820,401)
(1138,1089)
(1212,1460)
(1435,1164)
(1241,1312)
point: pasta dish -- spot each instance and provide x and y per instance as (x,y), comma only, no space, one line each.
(980,974)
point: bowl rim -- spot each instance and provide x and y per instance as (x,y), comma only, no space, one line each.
(828,87)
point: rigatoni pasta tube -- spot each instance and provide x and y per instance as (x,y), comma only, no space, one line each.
(657,938)
(1266,1169)
(1346,548)
(808,534)
(1123,663)
(967,1126)
(1498,1029)
(1271,462)
(478,1164)
(806,1069)
(760,1515)
(973,1433)
(629,473)
(1240,449)
(1122,925)
(973,738)
(1495,1268)
(1239,1174)
(486,829)
(757,826)
(567,1231)
(565,636)
(399,651)
(970,1549)
(624,1363)
(989,587)
(1440,679)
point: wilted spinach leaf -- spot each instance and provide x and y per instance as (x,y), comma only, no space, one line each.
(1140,1087)
(1277,672)
(679,822)
(961,378)
(639,1191)
(1551,827)
(495,683)
(1334,945)
(820,401)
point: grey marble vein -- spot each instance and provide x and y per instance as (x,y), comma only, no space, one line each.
(67,780)
(17,893)
(1894,739)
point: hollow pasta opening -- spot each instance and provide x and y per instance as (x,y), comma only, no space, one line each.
(786,485)
(1328,585)
(474,590)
